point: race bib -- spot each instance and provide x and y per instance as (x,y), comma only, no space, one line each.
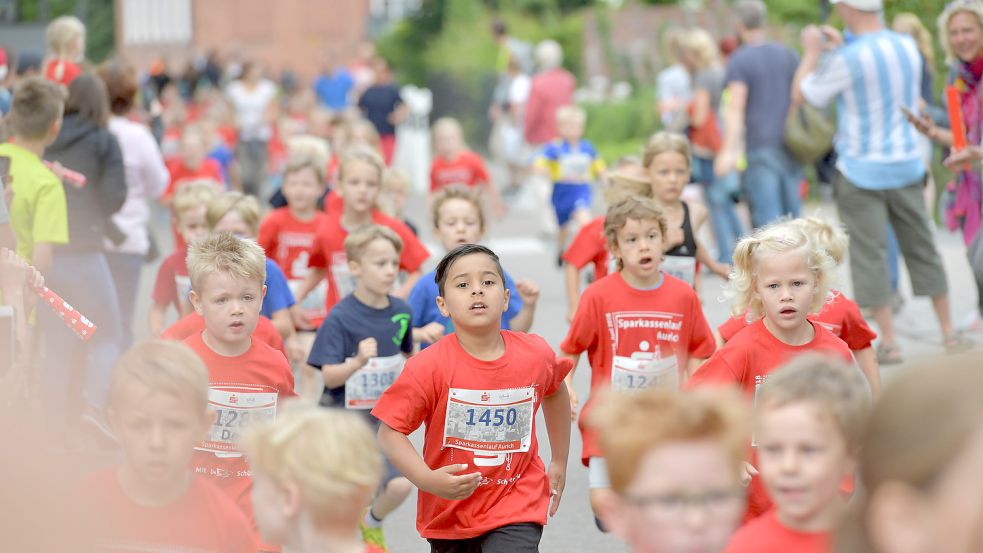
(575,168)
(313,304)
(343,280)
(495,421)
(681,267)
(644,370)
(236,409)
(363,389)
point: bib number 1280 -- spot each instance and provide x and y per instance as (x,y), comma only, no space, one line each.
(496,417)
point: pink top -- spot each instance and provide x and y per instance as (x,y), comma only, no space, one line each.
(551,90)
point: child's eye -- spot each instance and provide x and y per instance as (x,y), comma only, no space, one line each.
(247,297)
(489,283)
(773,286)
(798,283)
(462,284)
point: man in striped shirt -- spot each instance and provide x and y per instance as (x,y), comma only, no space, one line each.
(872,78)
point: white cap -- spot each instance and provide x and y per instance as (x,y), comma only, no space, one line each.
(862,5)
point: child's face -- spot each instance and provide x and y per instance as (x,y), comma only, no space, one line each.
(193,150)
(272,507)
(570,129)
(377,269)
(395,197)
(669,173)
(786,288)
(458,223)
(474,293)
(359,186)
(639,246)
(803,459)
(234,223)
(158,432)
(685,497)
(302,189)
(447,142)
(229,305)
(192,225)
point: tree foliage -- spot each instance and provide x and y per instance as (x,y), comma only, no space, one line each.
(98,16)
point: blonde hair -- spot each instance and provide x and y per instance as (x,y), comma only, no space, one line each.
(330,454)
(700,43)
(359,239)
(662,142)
(625,182)
(456,192)
(225,253)
(163,366)
(825,234)
(910,24)
(632,425)
(972,7)
(365,155)
(192,194)
(571,113)
(62,31)
(246,206)
(396,179)
(634,207)
(832,385)
(307,152)
(922,421)
(777,238)
(448,123)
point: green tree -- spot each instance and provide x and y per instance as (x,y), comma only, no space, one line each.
(98,16)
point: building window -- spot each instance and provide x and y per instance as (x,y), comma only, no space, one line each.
(156,22)
(393,10)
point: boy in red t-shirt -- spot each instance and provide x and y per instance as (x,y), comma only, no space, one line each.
(158,410)
(247,378)
(192,163)
(172,285)
(639,326)
(314,470)
(482,484)
(809,425)
(454,163)
(359,181)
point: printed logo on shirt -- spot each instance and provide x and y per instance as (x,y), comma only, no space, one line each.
(403,320)
(642,345)
(287,241)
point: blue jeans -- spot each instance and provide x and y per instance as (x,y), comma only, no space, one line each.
(72,365)
(727,227)
(125,268)
(771,185)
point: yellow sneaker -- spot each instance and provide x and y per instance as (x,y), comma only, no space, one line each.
(372,536)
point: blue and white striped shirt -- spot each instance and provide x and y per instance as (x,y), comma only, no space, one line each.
(871,78)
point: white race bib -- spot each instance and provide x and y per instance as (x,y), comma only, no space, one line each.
(644,370)
(575,168)
(236,408)
(313,304)
(183,285)
(364,388)
(495,421)
(681,267)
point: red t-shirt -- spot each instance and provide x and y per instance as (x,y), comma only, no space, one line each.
(333,204)
(194,323)
(840,315)
(468,168)
(289,242)
(181,173)
(61,71)
(636,338)
(246,387)
(590,246)
(203,519)
(487,406)
(329,253)
(173,283)
(767,534)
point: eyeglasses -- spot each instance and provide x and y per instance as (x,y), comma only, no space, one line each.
(676,504)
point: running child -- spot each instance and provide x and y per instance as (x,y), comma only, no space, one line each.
(483,486)
(173,285)
(809,425)
(573,165)
(459,219)
(362,346)
(840,315)
(396,190)
(779,277)
(159,411)
(247,378)
(359,179)
(315,470)
(667,158)
(192,163)
(640,327)
(668,453)
(455,163)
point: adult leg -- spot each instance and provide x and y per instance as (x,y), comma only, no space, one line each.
(126,268)
(727,227)
(514,538)
(104,346)
(791,175)
(762,188)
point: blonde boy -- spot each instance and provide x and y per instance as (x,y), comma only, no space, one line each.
(247,378)
(158,409)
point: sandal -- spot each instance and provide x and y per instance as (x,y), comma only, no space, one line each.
(889,354)
(957,343)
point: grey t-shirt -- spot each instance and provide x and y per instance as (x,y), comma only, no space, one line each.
(767,70)
(711,80)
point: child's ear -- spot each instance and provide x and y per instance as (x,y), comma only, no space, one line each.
(263,293)
(508,296)
(355,267)
(55,129)
(442,306)
(196,300)
(292,500)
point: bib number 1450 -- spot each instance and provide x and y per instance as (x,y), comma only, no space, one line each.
(496,417)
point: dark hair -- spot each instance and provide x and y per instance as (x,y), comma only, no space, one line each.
(499,28)
(121,85)
(87,97)
(440,275)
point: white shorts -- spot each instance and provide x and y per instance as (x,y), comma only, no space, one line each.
(597,473)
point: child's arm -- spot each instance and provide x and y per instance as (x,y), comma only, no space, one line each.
(691,366)
(336,375)
(431,332)
(155,319)
(529,292)
(557,413)
(404,291)
(314,276)
(698,213)
(867,359)
(571,278)
(568,380)
(283,322)
(442,482)
(44,254)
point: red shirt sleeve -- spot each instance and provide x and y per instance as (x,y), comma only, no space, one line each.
(268,231)
(583,333)
(165,289)
(480,172)
(702,343)
(855,331)
(720,368)
(434,167)
(318,260)
(583,249)
(411,399)
(184,327)
(414,252)
(731,327)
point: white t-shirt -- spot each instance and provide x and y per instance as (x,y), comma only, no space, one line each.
(250,108)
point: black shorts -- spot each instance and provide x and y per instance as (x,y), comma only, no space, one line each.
(515,538)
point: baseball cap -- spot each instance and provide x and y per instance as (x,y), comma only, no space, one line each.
(862,5)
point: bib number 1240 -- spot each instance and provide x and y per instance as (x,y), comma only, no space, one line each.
(496,417)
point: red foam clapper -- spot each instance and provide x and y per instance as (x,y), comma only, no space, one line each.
(83,327)
(73,178)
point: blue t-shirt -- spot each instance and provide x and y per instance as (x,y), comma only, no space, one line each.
(571,163)
(332,90)
(224,156)
(350,322)
(423,301)
(278,294)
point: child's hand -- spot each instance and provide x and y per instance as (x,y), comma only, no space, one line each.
(528,291)
(558,478)
(722,269)
(15,273)
(367,349)
(295,350)
(443,482)
(574,404)
(748,473)
(571,312)
(430,333)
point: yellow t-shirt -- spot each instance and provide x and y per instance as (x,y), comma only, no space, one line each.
(38,212)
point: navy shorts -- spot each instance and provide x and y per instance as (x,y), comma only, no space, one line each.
(568,198)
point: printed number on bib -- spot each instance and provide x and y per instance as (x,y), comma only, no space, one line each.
(496,421)
(236,409)
(363,389)
(644,370)
(681,267)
